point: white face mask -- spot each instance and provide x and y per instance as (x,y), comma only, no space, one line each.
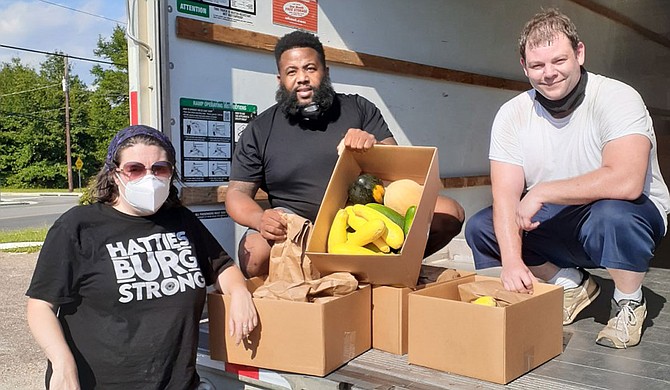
(147,194)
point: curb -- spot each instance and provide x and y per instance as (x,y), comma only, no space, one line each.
(59,194)
(18,202)
(13,203)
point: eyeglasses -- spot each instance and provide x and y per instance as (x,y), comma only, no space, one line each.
(135,170)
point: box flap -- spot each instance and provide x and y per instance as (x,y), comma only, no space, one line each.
(389,163)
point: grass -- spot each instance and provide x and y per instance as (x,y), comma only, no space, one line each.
(36,190)
(24,235)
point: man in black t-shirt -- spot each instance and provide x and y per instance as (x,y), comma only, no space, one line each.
(289,151)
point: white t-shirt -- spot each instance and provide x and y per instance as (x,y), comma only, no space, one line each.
(525,134)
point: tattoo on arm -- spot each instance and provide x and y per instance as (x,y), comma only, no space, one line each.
(245,187)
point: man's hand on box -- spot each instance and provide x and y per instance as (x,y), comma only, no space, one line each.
(517,278)
(273,225)
(356,140)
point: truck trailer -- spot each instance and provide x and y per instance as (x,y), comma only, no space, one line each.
(201,70)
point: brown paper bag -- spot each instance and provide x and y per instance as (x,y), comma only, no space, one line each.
(432,274)
(333,285)
(494,288)
(292,276)
(288,261)
(280,289)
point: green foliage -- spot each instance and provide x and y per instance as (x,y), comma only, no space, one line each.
(24,235)
(87,192)
(32,117)
(108,106)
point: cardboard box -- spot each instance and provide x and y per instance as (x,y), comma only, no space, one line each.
(298,337)
(390,315)
(496,344)
(389,163)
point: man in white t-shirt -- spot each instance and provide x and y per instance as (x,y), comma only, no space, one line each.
(576,183)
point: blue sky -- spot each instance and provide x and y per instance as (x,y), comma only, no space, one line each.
(55,25)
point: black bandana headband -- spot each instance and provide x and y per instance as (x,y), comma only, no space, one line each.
(130,132)
(570,102)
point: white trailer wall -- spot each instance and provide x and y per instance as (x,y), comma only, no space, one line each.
(478,36)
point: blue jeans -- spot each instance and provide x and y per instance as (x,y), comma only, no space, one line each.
(607,233)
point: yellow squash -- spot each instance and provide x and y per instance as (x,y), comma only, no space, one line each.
(357,223)
(354,220)
(338,229)
(348,249)
(393,236)
(485,300)
(369,232)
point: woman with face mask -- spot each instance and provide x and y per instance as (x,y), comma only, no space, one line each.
(120,285)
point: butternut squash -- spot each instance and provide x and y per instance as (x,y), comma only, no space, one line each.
(402,194)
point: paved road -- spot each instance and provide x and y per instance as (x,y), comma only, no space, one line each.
(22,362)
(18,211)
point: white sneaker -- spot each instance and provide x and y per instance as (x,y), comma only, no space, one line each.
(578,298)
(625,328)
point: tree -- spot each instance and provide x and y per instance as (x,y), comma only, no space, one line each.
(108,106)
(32,116)
(32,124)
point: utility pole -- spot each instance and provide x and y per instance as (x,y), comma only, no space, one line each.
(66,90)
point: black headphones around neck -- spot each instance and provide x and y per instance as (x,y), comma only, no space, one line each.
(312,111)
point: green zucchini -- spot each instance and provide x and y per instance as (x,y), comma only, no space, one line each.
(409,218)
(389,213)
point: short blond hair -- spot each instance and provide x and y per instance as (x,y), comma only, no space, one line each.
(545,27)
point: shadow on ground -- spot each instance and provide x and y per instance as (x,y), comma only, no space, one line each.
(662,255)
(600,308)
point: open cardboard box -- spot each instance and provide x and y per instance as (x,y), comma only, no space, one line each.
(496,344)
(299,337)
(390,314)
(389,163)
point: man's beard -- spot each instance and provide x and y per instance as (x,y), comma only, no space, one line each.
(323,95)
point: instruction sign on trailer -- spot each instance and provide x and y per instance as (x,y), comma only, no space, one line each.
(216,11)
(209,130)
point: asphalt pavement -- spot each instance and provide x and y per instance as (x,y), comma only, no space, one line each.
(33,210)
(22,362)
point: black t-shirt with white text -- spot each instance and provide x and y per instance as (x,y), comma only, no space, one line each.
(131,291)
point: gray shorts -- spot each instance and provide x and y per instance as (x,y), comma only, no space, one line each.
(254,231)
